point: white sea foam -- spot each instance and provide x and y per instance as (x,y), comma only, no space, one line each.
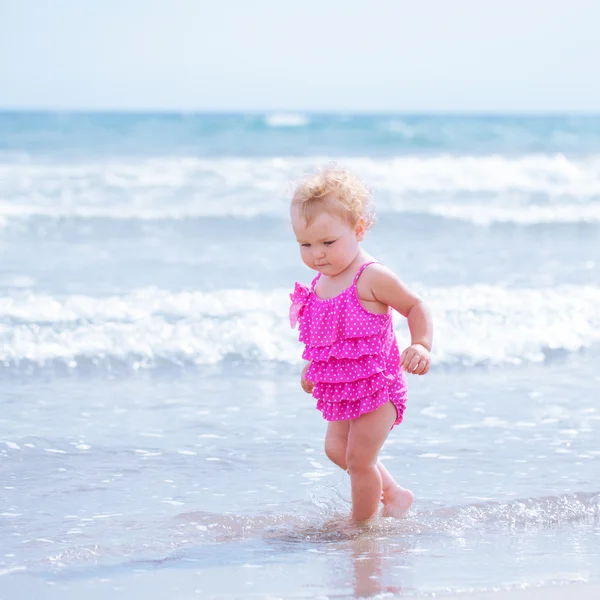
(286,120)
(474,325)
(481,189)
(481,214)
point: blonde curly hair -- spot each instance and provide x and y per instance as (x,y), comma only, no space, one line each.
(334,189)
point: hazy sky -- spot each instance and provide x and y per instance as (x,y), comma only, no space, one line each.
(418,55)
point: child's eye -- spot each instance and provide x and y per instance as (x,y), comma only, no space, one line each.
(329,243)
(305,245)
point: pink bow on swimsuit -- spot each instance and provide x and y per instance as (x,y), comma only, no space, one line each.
(298,297)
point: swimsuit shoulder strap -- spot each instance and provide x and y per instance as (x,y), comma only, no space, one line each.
(363,267)
(314,282)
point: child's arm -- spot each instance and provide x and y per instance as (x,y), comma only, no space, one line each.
(388,289)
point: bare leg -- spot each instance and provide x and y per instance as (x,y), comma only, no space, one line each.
(396,499)
(387,481)
(336,442)
(367,435)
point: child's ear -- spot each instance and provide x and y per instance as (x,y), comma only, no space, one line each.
(359,230)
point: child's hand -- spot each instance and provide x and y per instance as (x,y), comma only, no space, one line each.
(307,385)
(415,359)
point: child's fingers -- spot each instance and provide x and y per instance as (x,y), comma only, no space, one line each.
(406,357)
(307,386)
(414,363)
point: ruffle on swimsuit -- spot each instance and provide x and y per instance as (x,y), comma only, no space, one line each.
(355,361)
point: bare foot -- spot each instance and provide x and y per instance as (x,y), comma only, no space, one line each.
(397,502)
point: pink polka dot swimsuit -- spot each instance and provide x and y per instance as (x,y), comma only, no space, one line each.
(355,361)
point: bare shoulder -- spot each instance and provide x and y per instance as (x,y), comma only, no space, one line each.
(385,287)
(377,273)
(372,278)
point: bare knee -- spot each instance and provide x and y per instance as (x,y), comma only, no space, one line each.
(335,449)
(358,462)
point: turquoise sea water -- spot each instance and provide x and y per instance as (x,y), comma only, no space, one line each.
(154,440)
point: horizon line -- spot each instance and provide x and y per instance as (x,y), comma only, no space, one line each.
(297,111)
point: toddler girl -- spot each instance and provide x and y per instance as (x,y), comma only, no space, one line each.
(355,370)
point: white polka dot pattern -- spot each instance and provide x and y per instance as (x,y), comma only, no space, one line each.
(355,361)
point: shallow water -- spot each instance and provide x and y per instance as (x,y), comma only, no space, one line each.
(152,474)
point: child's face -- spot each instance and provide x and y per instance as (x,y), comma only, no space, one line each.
(329,244)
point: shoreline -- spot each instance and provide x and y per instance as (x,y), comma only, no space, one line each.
(563,591)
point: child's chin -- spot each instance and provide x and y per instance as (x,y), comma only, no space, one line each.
(323,268)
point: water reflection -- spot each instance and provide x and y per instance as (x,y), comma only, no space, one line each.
(371,561)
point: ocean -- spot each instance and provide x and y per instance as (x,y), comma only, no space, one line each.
(154,438)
